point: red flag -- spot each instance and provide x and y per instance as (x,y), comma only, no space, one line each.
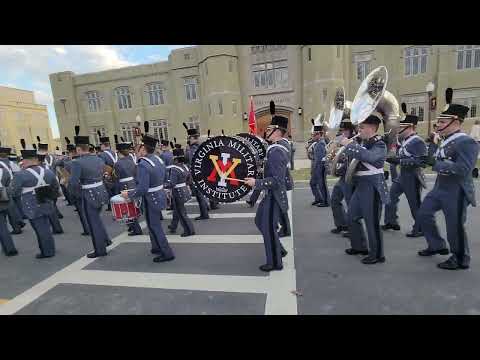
(252,125)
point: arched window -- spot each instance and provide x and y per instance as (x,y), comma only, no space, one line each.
(156,93)
(124,98)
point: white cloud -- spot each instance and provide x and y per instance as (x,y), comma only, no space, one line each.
(32,64)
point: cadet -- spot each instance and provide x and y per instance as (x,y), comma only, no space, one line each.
(411,155)
(318,180)
(341,190)
(370,190)
(109,157)
(275,200)
(60,164)
(6,241)
(285,229)
(49,162)
(12,212)
(193,139)
(37,187)
(53,217)
(453,191)
(166,154)
(292,152)
(86,180)
(178,179)
(126,172)
(150,181)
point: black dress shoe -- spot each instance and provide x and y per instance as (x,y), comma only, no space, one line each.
(346,234)
(452,264)
(187,234)
(356,252)
(268,267)
(134,234)
(372,260)
(60,216)
(337,230)
(41,256)
(58,232)
(414,234)
(22,225)
(156,251)
(94,255)
(283,252)
(171,231)
(315,203)
(322,205)
(109,242)
(85,234)
(12,253)
(202,218)
(428,252)
(16,232)
(159,259)
(76,210)
(387,226)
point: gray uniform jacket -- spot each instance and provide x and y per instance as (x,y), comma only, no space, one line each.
(177,181)
(23,184)
(150,180)
(126,173)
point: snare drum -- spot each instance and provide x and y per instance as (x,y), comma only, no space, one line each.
(124,210)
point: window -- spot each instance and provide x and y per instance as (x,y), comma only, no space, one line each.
(420,113)
(128,132)
(193,122)
(413,111)
(234,107)
(124,98)
(156,93)
(190,89)
(230,65)
(93,101)
(94,135)
(309,54)
(363,68)
(468,57)
(160,129)
(473,110)
(270,75)
(206,69)
(325,93)
(220,107)
(416,60)
(209,109)
(186,56)
(338,51)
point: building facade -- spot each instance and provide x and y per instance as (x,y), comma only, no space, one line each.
(22,118)
(209,86)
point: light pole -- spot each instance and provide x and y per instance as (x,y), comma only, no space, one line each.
(430,88)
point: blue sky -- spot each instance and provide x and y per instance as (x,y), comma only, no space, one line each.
(28,66)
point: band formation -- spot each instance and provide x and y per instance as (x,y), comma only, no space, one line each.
(146,179)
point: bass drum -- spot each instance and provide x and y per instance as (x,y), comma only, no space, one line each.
(257,142)
(219,166)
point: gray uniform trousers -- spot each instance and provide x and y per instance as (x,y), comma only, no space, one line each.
(46,243)
(449,197)
(157,235)
(6,240)
(180,214)
(54,220)
(412,189)
(341,191)
(202,202)
(365,203)
(266,219)
(98,232)
(14,216)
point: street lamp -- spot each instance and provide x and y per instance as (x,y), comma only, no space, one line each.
(300,111)
(245,116)
(430,88)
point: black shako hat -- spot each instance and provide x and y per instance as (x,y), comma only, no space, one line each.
(280,122)
(124,146)
(29,154)
(453,110)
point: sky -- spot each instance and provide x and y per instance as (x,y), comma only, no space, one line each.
(28,67)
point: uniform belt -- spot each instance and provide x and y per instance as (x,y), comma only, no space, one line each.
(180,185)
(156,188)
(126,179)
(369,172)
(28,189)
(91,186)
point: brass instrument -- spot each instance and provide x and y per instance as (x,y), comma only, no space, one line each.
(63,175)
(372,97)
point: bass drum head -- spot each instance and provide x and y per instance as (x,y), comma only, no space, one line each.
(257,142)
(118,199)
(219,163)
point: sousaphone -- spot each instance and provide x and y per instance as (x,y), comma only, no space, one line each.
(372,97)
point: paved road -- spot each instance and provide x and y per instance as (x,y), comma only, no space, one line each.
(216,272)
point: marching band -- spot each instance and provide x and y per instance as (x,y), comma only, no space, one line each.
(133,181)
